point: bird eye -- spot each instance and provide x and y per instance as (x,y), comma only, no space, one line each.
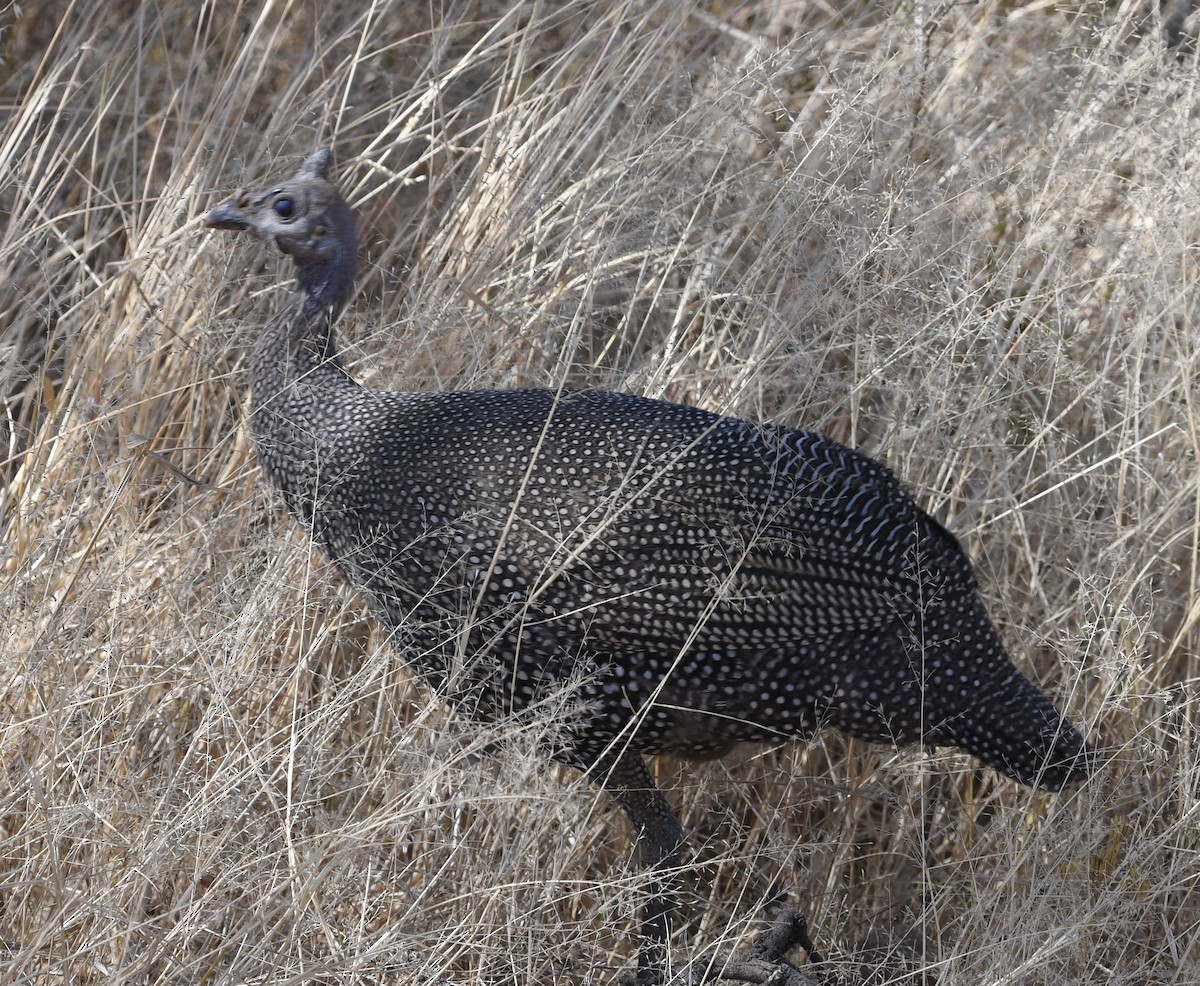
(284,208)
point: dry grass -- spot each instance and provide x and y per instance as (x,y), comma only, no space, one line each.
(961,236)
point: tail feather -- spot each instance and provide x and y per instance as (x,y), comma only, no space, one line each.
(1020,733)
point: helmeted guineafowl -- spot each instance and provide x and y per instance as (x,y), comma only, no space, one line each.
(698,580)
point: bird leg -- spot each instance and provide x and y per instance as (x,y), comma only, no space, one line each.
(659,838)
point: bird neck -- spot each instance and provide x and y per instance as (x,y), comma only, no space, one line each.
(298,351)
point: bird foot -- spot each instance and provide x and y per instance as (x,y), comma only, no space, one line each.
(764,964)
(766,961)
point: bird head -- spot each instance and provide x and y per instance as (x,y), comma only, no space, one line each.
(305,218)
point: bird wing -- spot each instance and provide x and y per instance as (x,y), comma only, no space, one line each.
(643,525)
(747,538)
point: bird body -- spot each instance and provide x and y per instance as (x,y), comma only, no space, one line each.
(700,566)
(695,580)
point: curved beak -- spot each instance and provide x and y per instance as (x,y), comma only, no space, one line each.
(227,215)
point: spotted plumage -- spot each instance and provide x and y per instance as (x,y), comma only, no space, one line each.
(697,580)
